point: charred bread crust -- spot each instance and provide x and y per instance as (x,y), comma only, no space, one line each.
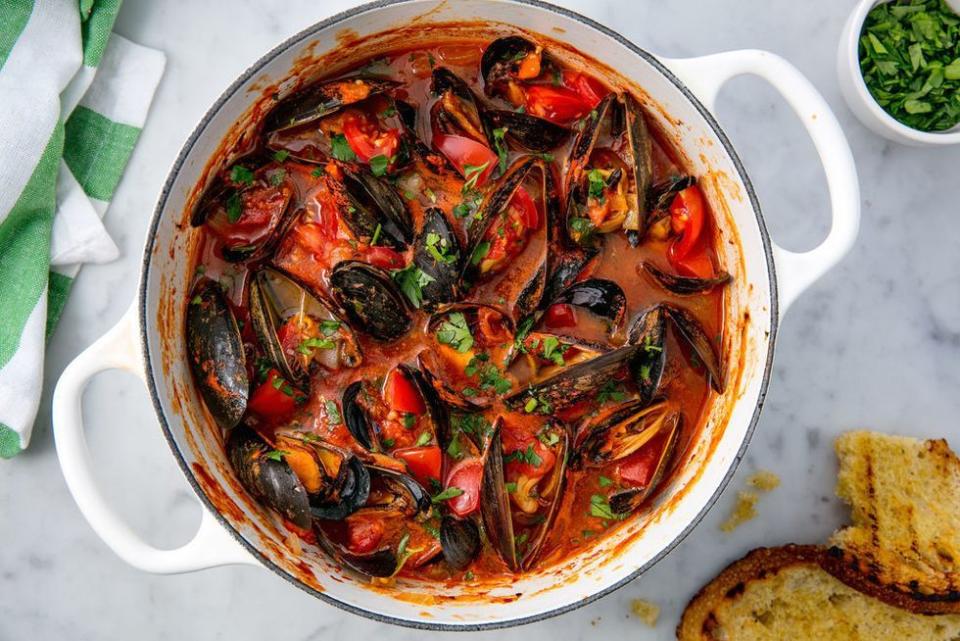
(864,576)
(698,620)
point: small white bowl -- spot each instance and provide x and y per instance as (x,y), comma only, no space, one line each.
(858,97)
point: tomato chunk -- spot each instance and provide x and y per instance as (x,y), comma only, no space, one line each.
(466,154)
(364,534)
(638,469)
(560,315)
(687,218)
(422,462)
(274,399)
(402,395)
(385,258)
(465,476)
(556,104)
(365,138)
(589,90)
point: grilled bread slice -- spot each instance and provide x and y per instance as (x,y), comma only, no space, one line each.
(783,594)
(904,544)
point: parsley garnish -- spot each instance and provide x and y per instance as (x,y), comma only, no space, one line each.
(501,147)
(582,228)
(474,424)
(329,327)
(455,331)
(600,508)
(472,174)
(276,455)
(553,351)
(527,456)
(437,247)
(481,251)
(611,391)
(423,439)
(597,184)
(307,345)
(603,481)
(277,177)
(281,155)
(333,412)
(317,172)
(240,174)
(341,149)
(378,165)
(234,207)
(409,420)
(447,494)
(411,280)
(376,234)
(487,374)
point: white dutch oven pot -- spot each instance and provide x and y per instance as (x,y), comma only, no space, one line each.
(679,96)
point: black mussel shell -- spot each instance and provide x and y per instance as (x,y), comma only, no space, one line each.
(374,202)
(599,296)
(619,431)
(399,492)
(355,417)
(437,253)
(457,112)
(351,496)
(685,285)
(216,353)
(663,193)
(319,100)
(498,58)
(495,504)
(528,131)
(269,480)
(274,298)
(379,563)
(574,383)
(695,336)
(640,147)
(628,500)
(460,540)
(370,300)
(646,368)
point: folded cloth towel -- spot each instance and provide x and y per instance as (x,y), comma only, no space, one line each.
(74,98)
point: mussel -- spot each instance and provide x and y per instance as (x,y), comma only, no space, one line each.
(500,65)
(319,100)
(684,285)
(599,296)
(216,354)
(574,383)
(376,211)
(256,185)
(457,111)
(459,540)
(529,132)
(607,189)
(521,489)
(297,331)
(437,254)
(397,492)
(648,333)
(542,354)
(470,347)
(695,336)
(509,248)
(639,438)
(267,476)
(369,298)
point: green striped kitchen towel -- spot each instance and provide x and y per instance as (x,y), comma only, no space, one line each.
(73,98)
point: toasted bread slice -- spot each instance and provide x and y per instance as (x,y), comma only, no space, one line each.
(783,594)
(904,544)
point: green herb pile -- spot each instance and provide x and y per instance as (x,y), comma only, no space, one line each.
(910,60)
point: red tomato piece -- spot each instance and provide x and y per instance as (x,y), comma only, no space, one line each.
(269,401)
(465,475)
(526,208)
(385,258)
(591,91)
(525,454)
(686,219)
(364,535)
(466,152)
(365,138)
(637,469)
(422,462)
(260,211)
(560,315)
(402,395)
(556,104)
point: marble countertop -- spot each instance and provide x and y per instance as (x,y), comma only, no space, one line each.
(875,343)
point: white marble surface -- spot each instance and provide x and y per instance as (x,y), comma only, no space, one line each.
(876,343)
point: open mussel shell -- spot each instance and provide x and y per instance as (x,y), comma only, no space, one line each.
(696,337)
(542,354)
(528,131)
(359,396)
(571,384)
(443,365)
(617,432)
(525,274)
(381,562)
(618,114)
(457,111)
(460,541)
(599,296)
(684,285)
(369,298)
(499,59)
(275,300)
(437,253)
(628,500)
(497,512)
(648,333)
(270,480)
(319,100)
(374,202)
(663,193)
(397,492)
(216,353)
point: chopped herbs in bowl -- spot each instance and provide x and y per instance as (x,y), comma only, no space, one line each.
(910,61)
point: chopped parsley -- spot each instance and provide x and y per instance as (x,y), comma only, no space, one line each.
(527,456)
(242,175)
(276,455)
(389,111)
(553,350)
(582,228)
(411,280)
(446,495)
(480,252)
(277,177)
(281,155)
(307,345)
(378,165)
(603,481)
(329,327)
(600,508)
(501,148)
(455,331)
(409,420)
(472,174)
(281,384)
(611,391)
(474,424)
(317,172)
(488,376)
(423,439)
(597,184)
(196,300)
(234,207)
(454,450)
(511,487)
(439,249)
(341,149)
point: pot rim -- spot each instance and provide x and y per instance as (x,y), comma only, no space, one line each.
(187,147)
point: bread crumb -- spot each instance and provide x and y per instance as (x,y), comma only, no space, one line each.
(745,509)
(645,611)
(764,480)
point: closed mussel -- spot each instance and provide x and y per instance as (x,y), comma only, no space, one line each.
(216,354)
(437,254)
(375,211)
(369,298)
(319,100)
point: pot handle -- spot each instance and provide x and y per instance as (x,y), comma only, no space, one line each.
(796,271)
(119,349)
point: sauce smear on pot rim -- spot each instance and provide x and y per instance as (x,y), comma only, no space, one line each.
(459,312)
